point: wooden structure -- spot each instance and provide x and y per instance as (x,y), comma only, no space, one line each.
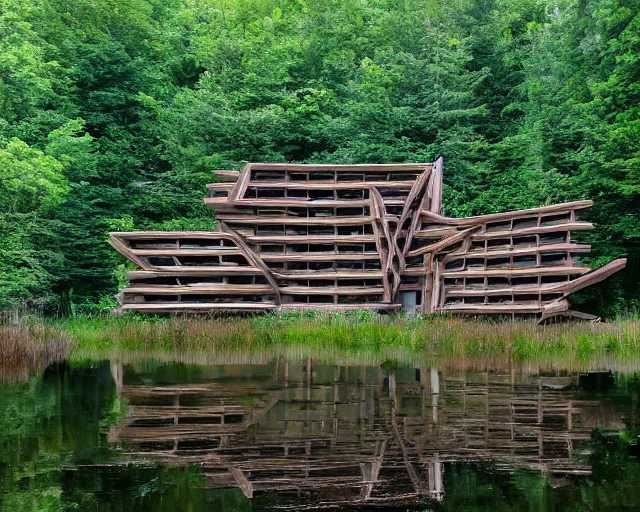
(339,237)
(348,436)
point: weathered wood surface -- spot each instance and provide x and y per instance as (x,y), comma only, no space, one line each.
(334,224)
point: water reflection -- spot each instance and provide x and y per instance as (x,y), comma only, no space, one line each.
(295,433)
(319,435)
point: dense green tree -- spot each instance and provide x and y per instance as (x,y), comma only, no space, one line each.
(113,113)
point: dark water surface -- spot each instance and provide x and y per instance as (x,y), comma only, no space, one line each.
(296,434)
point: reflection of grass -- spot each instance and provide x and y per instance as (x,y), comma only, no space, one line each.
(357,336)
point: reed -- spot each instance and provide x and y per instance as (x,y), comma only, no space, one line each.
(26,349)
(430,337)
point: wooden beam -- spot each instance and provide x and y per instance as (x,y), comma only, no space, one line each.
(177,307)
(231,251)
(328,274)
(341,307)
(594,277)
(320,256)
(482,219)
(303,221)
(532,271)
(220,186)
(536,230)
(492,292)
(321,185)
(227,175)
(311,239)
(418,193)
(204,289)
(284,202)
(520,251)
(118,244)
(332,290)
(435,189)
(551,307)
(419,167)
(150,235)
(193,271)
(446,242)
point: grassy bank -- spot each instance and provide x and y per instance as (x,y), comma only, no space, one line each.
(434,336)
(357,337)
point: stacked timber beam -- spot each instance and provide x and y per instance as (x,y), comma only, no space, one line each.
(337,237)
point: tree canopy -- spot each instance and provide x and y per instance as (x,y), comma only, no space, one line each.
(114,113)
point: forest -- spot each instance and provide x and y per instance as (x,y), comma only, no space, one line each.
(114,113)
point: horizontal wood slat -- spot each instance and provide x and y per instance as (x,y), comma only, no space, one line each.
(530,254)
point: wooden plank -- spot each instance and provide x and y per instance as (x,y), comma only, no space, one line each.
(310,239)
(320,256)
(532,271)
(241,480)
(193,271)
(417,193)
(445,231)
(210,270)
(241,184)
(178,235)
(220,186)
(332,290)
(446,242)
(536,230)
(435,206)
(346,168)
(254,259)
(117,242)
(434,232)
(482,219)
(385,233)
(321,184)
(414,271)
(551,307)
(341,307)
(176,307)
(227,175)
(204,289)
(492,308)
(410,287)
(492,292)
(284,202)
(231,251)
(436,292)
(328,274)
(594,277)
(303,221)
(519,251)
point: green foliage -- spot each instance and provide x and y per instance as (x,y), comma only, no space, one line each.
(113,115)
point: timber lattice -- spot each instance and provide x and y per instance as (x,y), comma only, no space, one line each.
(339,237)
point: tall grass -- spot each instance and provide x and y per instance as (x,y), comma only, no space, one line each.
(396,336)
(26,349)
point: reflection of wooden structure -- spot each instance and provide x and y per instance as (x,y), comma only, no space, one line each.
(357,236)
(347,435)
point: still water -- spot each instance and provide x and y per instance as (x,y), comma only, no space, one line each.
(296,434)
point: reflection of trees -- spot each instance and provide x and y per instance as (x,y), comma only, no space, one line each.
(49,423)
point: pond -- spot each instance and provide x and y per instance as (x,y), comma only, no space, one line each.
(284,432)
